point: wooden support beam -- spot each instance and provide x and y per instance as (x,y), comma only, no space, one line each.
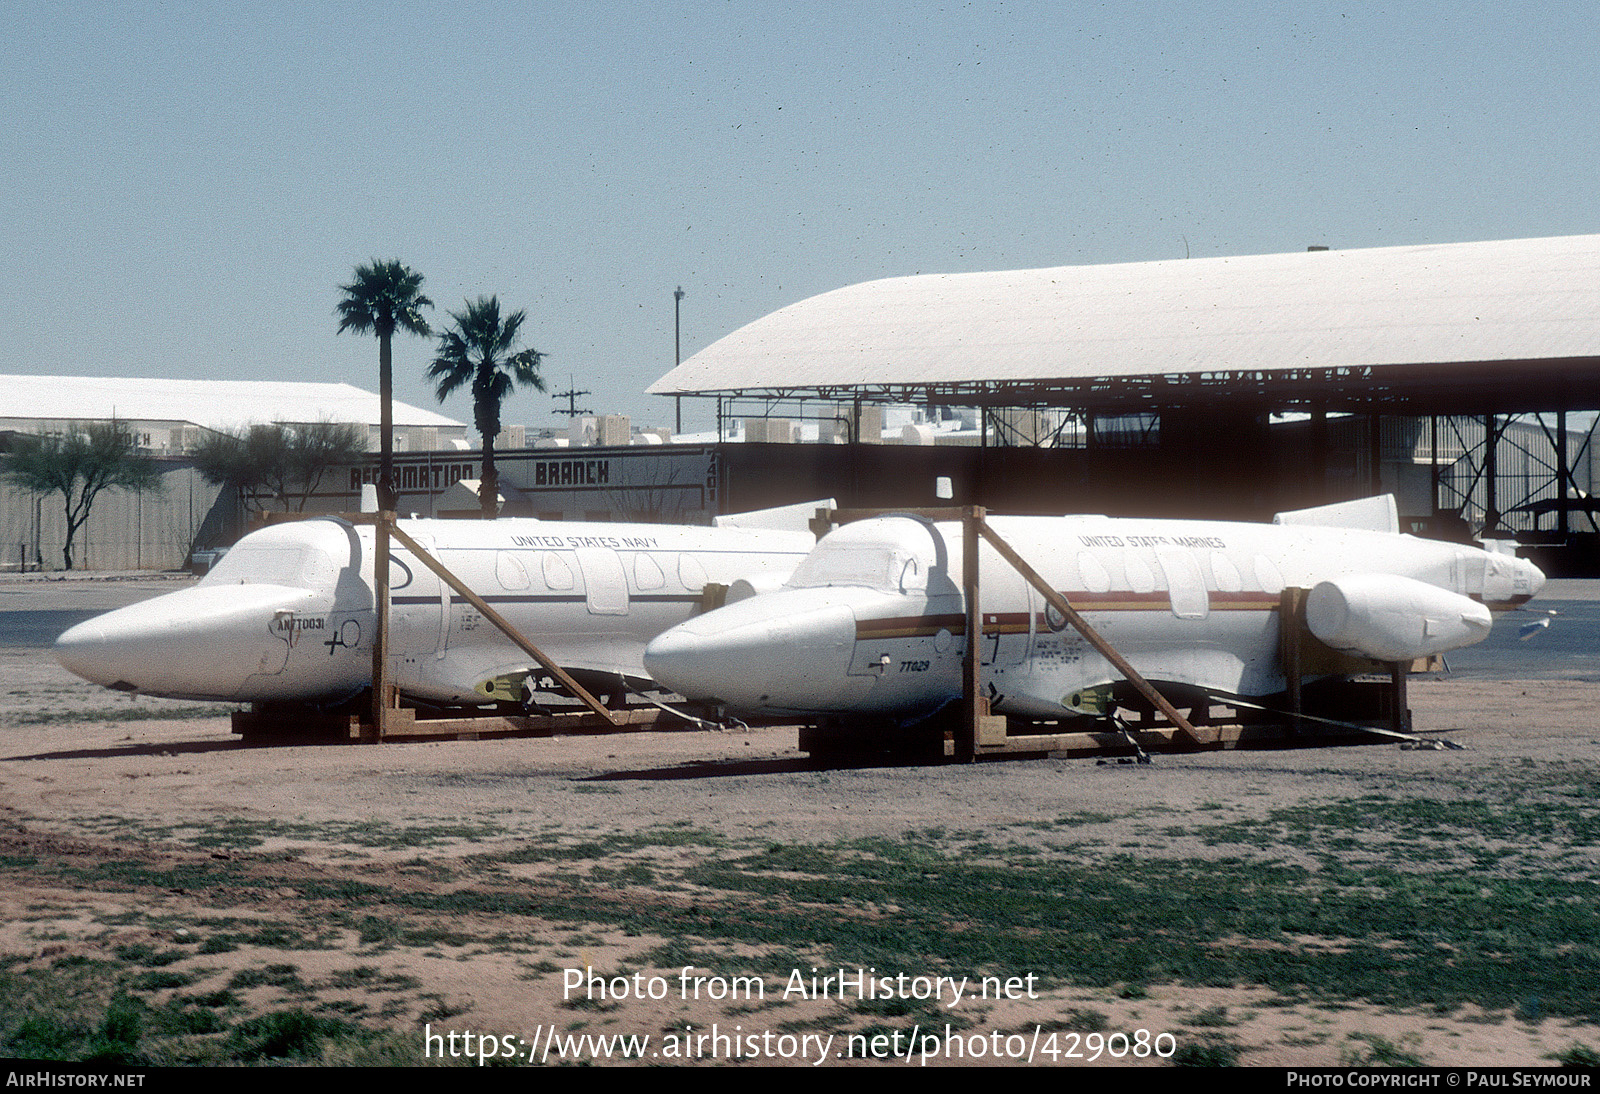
(974,706)
(1291,616)
(383,697)
(939,512)
(1399,714)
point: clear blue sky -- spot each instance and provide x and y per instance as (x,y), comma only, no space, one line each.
(186,185)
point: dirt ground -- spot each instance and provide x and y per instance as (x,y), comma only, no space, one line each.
(87,794)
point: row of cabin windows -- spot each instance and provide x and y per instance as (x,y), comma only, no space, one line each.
(557,572)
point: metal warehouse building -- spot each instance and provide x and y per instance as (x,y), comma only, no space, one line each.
(156,529)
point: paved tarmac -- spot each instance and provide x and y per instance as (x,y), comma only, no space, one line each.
(1569,649)
(35,608)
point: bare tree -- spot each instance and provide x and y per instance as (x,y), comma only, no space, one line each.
(287,462)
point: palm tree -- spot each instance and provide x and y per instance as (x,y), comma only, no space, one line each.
(480,350)
(383,298)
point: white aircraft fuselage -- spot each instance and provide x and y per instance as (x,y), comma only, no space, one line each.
(288,614)
(873,622)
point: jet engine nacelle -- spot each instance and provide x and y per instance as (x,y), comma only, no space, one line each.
(1391,618)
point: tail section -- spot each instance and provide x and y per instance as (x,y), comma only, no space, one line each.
(1377,514)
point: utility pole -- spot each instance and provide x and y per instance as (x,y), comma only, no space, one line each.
(677,351)
(571,396)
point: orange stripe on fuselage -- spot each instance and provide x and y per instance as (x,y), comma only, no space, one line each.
(921,626)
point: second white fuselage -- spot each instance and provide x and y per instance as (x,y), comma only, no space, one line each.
(873,621)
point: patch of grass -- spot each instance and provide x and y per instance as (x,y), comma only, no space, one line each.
(635,873)
(547,850)
(1344,931)
(177,1019)
(1579,1055)
(1428,834)
(439,1008)
(1207,1052)
(372,979)
(1395,926)
(1076,1020)
(86,1009)
(1375,1051)
(70,1013)
(382,934)
(114,1040)
(1369,933)
(290,1034)
(142,953)
(159,981)
(282,976)
(277,937)
(243,833)
(214,1000)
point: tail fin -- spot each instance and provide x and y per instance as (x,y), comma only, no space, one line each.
(1377,514)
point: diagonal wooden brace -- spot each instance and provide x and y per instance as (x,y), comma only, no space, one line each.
(1105,649)
(501,622)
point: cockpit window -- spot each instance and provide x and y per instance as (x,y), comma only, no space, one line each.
(275,565)
(850,564)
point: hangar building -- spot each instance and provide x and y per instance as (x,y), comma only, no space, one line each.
(170,416)
(1226,386)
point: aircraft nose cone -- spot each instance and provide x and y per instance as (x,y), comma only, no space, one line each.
(768,653)
(200,643)
(1536,578)
(87,651)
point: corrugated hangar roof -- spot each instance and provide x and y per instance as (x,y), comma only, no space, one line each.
(1388,324)
(214,404)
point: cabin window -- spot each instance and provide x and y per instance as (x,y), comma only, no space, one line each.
(1095,577)
(850,564)
(251,565)
(509,570)
(646,574)
(1186,588)
(1140,577)
(557,574)
(1267,575)
(691,573)
(604,580)
(1225,574)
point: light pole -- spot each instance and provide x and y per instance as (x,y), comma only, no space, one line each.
(677,351)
